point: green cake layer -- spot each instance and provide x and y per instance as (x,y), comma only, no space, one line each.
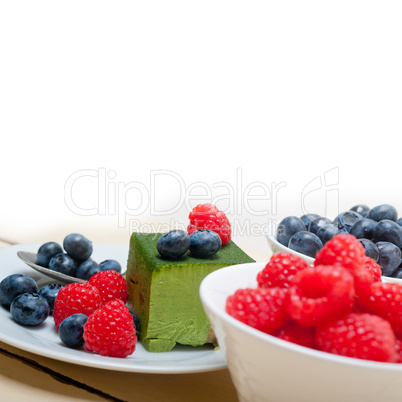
(165,294)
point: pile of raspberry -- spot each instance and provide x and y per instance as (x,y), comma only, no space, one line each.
(339,305)
(109,329)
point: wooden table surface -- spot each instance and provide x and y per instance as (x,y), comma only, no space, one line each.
(27,376)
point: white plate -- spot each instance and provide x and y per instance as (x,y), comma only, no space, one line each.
(43,340)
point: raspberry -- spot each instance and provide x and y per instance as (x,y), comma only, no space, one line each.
(208,216)
(280,270)
(292,332)
(75,298)
(363,336)
(386,301)
(398,351)
(346,250)
(110,331)
(342,249)
(262,309)
(320,294)
(373,268)
(111,285)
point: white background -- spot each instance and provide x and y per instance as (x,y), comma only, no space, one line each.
(286,93)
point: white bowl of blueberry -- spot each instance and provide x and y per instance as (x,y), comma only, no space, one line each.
(379,229)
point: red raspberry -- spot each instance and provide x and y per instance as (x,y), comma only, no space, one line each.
(386,301)
(110,331)
(75,298)
(346,250)
(320,294)
(398,351)
(262,309)
(292,332)
(111,285)
(280,270)
(208,216)
(373,268)
(363,336)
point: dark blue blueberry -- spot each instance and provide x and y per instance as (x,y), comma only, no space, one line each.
(47,251)
(287,228)
(345,220)
(14,285)
(306,243)
(361,209)
(399,221)
(86,269)
(370,248)
(204,243)
(29,309)
(307,218)
(363,228)
(389,257)
(64,264)
(110,265)
(49,292)
(137,323)
(397,273)
(384,211)
(387,230)
(71,330)
(173,244)
(328,231)
(77,247)
(318,223)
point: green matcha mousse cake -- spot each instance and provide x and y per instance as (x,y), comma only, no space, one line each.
(165,293)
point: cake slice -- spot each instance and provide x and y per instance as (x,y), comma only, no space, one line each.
(165,294)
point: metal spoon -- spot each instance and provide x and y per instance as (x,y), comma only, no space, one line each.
(31,260)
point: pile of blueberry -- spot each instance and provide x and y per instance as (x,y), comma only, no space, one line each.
(203,243)
(75,261)
(378,229)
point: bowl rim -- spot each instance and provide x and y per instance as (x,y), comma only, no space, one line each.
(211,278)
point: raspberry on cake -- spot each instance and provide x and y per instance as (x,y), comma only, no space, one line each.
(165,293)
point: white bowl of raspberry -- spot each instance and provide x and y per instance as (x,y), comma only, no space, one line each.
(264,367)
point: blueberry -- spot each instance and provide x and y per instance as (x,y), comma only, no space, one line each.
(64,264)
(370,248)
(345,220)
(71,330)
(361,209)
(397,273)
(86,269)
(387,230)
(110,265)
(318,223)
(328,231)
(14,285)
(384,211)
(137,323)
(287,228)
(307,218)
(306,243)
(204,243)
(399,221)
(77,247)
(49,292)
(47,251)
(29,309)
(389,257)
(173,244)
(363,228)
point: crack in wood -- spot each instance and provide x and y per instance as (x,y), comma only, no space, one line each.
(60,377)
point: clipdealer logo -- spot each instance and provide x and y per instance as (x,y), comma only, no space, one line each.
(89,192)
